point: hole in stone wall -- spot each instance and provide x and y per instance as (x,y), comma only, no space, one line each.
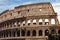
(34,33)
(40,32)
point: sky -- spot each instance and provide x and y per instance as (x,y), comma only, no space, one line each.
(10,4)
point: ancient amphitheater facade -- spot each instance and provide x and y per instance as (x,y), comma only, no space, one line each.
(29,22)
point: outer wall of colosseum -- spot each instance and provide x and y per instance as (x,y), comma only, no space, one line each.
(29,22)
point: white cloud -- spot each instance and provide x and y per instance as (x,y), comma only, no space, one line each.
(5,7)
(56,3)
(57,0)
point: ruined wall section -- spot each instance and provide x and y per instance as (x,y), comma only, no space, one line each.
(28,10)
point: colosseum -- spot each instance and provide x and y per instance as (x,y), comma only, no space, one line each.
(29,22)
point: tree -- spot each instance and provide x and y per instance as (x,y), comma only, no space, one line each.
(53,37)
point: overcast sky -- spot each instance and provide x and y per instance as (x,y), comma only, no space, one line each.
(10,4)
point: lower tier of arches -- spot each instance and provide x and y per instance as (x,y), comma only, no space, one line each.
(24,32)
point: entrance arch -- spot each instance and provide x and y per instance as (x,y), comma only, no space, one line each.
(34,33)
(40,32)
(58,31)
(46,32)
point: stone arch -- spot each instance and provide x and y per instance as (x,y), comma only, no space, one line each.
(10,33)
(40,33)
(46,32)
(18,23)
(52,21)
(53,31)
(34,21)
(23,23)
(13,33)
(18,33)
(58,31)
(28,33)
(34,33)
(46,21)
(28,22)
(23,32)
(14,23)
(40,21)
(7,34)
(1,34)
(4,33)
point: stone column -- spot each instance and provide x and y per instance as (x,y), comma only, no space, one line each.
(43,21)
(8,34)
(43,33)
(20,32)
(37,32)
(56,21)
(9,25)
(31,21)
(57,31)
(6,25)
(5,34)
(26,22)
(11,33)
(31,33)
(16,33)
(50,31)
(16,24)
(12,24)
(37,21)
(49,21)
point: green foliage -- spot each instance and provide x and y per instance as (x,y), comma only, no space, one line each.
(53,37)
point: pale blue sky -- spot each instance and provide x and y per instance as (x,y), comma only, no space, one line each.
(10,4)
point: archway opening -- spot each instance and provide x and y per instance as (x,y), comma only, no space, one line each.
(13,33)
(46,22)
(28,33)
(46,32)
(58,31)
(23,23)
(34,33)
(34,21)
(40,32)
(18,23)
(18,33)
(53,31)
(52,21)
(23,32)
(10,33)
(40,21)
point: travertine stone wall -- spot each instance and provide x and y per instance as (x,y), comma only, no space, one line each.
(28,10)
(35,18)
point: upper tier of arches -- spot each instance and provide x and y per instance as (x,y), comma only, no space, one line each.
(37,9)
